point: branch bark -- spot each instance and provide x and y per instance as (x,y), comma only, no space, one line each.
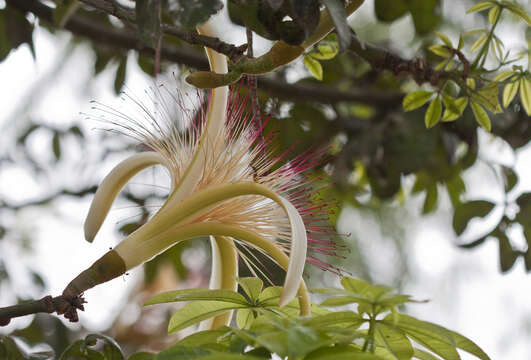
(62,305)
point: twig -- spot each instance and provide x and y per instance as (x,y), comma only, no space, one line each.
(62,305)
(128,15)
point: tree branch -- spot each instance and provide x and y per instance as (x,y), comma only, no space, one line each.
(62,305)
(124,39)
(417,68)
(128,15)
(49,198)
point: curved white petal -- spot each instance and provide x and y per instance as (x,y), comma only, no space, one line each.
(222,276)
(297,258)
(111,186)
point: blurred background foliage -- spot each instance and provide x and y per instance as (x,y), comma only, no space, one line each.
(381,156)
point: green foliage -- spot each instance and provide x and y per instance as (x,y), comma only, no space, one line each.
(189,14)
(376,330)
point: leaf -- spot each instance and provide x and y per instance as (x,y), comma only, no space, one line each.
(64,10)
(389,11)
(15,30)
(507,254)
(339,17)
(431,199)
(484,5)
(494,13)
(466,211)
(182,353)
(197,311)
(425,14)
(525,94)
(111,349)
(518,11)
(488,97)
(440,50)
(424,355)
(481,115)
(148,21)
(343,300)
(252,286)
(244,318)
(334,319)
(56,146)
(395,341)
(509,92)
(203,338)
(354,285)
(444,39)
(460,104)
(503,76)
(416,99)
(198,294)
(325,50)
(510,178)
(433,114)
(314,66)
(142,356)
(479,43)
(189,14)
(120,75)
(9,349)
(341,352)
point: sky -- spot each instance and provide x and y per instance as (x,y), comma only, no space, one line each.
(467,293)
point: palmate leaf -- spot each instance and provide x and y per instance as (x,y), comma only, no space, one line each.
(252,286)
(338,318)
(341,352)
(394,341)
(436,337)
(197,311)
(198,294)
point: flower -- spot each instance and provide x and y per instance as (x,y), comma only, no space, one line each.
(225,184)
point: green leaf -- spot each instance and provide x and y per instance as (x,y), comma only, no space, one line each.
(389,11)
(445,39)
(325,50)
(252,286)
(15,30)
(354,285)
(423,355)
(341,352)
(459,104)
(111,349)
(189,14)
(56,146)
(466,211)
(425,14)
(440,50)
(339,17)
(197,311)
(480,115)
(244,318)
(433,114)
(507,254)
(343,300)
(484,5)
(207,337)
(314,67)
(510,178)
(9,349)
(494,13)
(416,99)
(142,356)
(182,353)
(148,21)
(488,97)
(468,345)
(119,79)
(479,43)
(525,94)
(431,199)
(198,294)
(334,319)
(503,76)
(509,92)
(395,341)
(517,10)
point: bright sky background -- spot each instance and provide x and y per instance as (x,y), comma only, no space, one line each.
(467,292)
